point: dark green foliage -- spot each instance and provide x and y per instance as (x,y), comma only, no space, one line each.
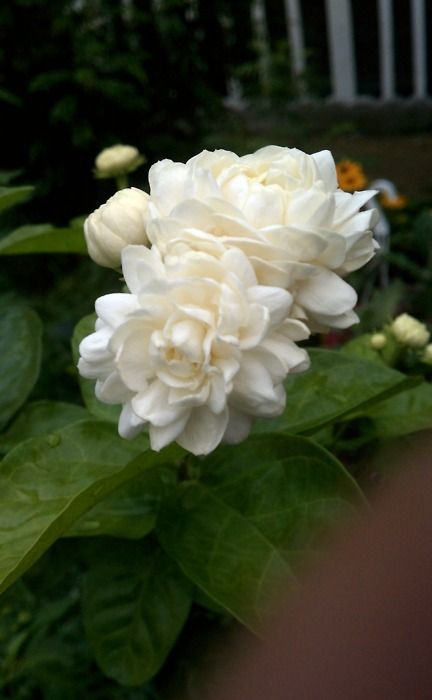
(91,74)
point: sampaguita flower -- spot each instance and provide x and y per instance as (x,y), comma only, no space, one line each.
(283,209)
(117,160)
(116,224)
(247,257)
(410,332)
(195,351)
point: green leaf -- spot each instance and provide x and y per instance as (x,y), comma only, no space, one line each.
(40,418)
(10,196)
(100,410)
(7,175)
(335,386)
(361,347)
(135,603)
(259,510)
(47,483)
(406,413)
(43,238)
(130,511)
(20,355)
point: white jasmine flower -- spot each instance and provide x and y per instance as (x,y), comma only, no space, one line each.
(378,341)
(409,331)
(195,351)
(116,224)
(117,160)
(283,209)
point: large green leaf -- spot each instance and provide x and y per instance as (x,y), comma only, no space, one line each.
(260,508)
(135,603)
(403,414)
(336,385)
(43,238)
(47,483)
(361,347)
(10,196)
(20,354)
(100,410)
(40,418)
(131,510)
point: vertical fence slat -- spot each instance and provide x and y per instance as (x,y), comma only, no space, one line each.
(295,37)
(259,24)
(386,49)
(418,22)
(342,61)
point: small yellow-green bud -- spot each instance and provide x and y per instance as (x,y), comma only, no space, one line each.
(378,341)
(410,332)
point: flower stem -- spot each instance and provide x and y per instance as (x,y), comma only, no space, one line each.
(122,181)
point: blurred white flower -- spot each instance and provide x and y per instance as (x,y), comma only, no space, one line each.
(283,209)
(409,331)
(116,224)
(117,160)
(195,350)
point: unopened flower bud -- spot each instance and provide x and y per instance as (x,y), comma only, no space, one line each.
(409,331)
(117,223)
(378,341)
(427,354)
(117,160)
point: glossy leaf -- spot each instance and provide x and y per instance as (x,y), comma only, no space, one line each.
(20,355)
(130,511)
(43,238)
(403,414)
(40,418)
(100,410)
(259,509)
(336,385)
(47,483)
(361,347)
(10,196)
(135,603)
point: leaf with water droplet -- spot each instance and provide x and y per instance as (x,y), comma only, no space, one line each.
(53,440)
(44,491)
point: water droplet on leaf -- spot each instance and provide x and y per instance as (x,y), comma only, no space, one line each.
(53,440)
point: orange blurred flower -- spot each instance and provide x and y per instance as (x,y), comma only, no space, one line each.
(398,202)
(351,177)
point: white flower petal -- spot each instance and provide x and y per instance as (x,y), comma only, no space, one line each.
(160,436)
(204,431)
(326,169)
(238,428)
(152,405)
(326,294)
(130,425)
(112,308)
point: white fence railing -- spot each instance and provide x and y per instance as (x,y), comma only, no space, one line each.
(342,57)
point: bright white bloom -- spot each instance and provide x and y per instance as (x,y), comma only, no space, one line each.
(378,341)
(195,351)
(283,209)
(116,224)
(409,331)
(117,160)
